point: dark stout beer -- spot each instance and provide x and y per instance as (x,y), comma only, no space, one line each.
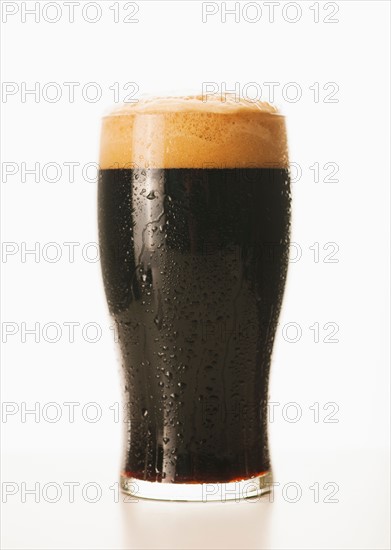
(194,260)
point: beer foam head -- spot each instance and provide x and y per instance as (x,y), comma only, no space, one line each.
(194,132)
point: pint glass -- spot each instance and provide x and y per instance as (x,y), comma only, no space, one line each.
(194,218)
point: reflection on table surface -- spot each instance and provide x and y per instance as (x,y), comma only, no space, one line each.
(154,524)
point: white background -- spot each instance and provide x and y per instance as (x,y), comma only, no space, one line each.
(171,48)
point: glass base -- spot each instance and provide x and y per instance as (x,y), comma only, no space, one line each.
(198,492)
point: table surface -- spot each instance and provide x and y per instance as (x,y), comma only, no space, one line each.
(351,513)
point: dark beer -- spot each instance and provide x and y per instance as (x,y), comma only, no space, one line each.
(194,260)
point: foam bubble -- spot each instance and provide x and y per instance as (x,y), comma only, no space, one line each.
(187,132)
